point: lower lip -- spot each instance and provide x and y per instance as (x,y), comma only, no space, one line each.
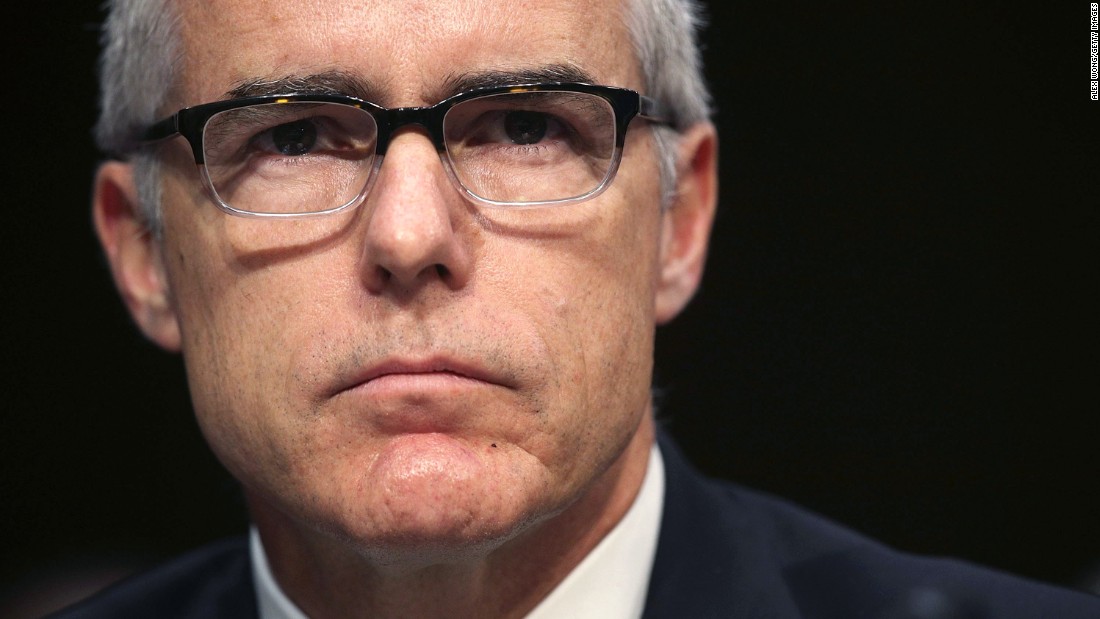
(416,403)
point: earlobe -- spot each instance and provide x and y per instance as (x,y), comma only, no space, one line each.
(687,221)
(134,254)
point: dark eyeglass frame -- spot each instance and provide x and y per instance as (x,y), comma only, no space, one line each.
(190,123)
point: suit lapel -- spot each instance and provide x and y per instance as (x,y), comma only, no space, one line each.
(711,559)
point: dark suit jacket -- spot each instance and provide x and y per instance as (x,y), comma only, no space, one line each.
(724,551)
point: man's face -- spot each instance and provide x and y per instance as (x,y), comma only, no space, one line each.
(417,372)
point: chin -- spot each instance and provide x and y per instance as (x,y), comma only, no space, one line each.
(437,503)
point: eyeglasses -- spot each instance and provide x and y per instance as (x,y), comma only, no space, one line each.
(310,154)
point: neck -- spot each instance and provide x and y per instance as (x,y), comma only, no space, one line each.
(327,577)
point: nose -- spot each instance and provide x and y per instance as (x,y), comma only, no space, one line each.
(418,225)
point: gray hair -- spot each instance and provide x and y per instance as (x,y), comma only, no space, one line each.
(140,42)
(664,33)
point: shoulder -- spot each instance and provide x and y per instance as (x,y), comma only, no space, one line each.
(833,572)
(737,548)
(213,581)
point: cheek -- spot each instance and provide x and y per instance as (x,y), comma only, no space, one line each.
(251,364)
(231,356)
(238,326)
(594,311)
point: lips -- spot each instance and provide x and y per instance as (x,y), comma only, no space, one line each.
(422,374)
(428,395)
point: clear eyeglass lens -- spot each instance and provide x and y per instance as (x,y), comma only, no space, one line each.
(289,158)
(308,157)
(539,146)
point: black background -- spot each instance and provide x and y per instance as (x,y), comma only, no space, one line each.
(896,328)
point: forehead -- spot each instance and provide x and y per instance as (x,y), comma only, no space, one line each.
(405,49)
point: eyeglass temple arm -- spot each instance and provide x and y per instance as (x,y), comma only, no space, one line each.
(176,124)
(163,129)
(652,110)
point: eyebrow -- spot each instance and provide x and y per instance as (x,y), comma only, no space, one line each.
(333,82)
(337,82)
(565,72)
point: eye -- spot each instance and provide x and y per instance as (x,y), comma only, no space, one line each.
(294,139)
(524,127)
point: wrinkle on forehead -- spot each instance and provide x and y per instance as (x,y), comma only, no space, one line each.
(408,48)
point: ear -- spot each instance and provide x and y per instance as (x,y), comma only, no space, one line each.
(134,254)
(687,222)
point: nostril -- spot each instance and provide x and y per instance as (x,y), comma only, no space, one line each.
(442,271)
(382,275)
